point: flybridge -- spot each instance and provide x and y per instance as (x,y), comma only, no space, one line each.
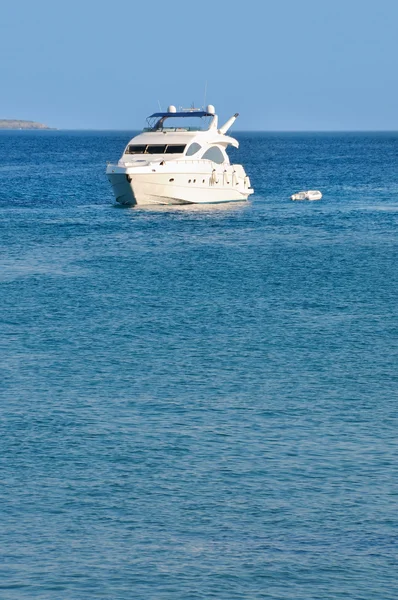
(188,121)
(178,120)
(186,112)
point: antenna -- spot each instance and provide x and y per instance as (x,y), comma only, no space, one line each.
(205,96)
(160,108)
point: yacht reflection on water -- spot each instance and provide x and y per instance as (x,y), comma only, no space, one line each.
(203,208)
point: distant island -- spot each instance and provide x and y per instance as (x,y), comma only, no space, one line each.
(15,124)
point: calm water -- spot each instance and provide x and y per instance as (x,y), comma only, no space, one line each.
(199,402)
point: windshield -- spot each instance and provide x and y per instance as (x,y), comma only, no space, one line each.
(176,123)
(155,149)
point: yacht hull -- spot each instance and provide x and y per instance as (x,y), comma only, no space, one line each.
(145,188)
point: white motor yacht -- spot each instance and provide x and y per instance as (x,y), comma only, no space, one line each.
(180,158)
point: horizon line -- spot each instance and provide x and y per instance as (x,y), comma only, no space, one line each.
(58,129)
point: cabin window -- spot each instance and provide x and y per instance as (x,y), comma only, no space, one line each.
(193,149)
(135,149)
(215,155)
(155,149)
(174,149)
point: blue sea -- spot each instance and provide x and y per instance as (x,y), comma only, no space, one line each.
(199,402)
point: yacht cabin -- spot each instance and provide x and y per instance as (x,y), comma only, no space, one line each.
(187,133)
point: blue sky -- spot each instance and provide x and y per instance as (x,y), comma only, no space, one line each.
(283,65)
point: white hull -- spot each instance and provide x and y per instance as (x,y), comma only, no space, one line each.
(154,184)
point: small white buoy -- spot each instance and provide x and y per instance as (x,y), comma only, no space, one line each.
(308,195)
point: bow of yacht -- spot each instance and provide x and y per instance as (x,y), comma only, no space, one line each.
(180,158)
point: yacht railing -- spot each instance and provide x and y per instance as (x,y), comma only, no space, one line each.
(177,129)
